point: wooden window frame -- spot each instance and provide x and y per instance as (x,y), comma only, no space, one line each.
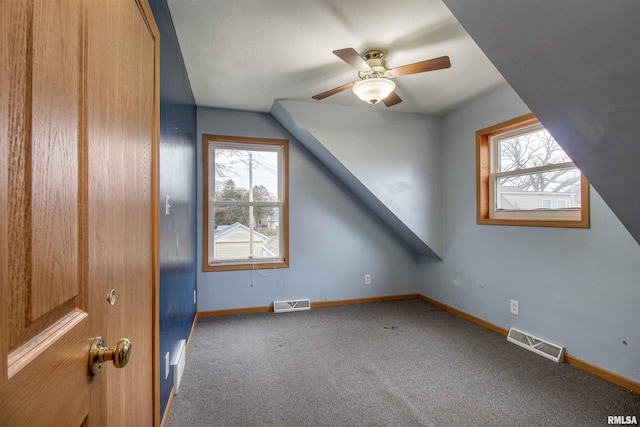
(222,266)
(484,198)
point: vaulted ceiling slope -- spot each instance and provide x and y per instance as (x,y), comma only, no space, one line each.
(577,67)
(390,160)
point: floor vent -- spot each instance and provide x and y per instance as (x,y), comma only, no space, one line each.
(291,305)
(541,347)
(178,364)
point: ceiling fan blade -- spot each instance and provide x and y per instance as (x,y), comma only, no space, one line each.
(353,58)
(333,91)
(392,99)
(421,67)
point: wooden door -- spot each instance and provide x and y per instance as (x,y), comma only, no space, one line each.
(77,209)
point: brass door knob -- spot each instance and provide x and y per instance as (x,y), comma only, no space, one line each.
(98,354)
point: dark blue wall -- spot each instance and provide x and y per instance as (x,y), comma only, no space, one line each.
(178,180)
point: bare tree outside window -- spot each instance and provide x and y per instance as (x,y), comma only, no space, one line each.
(533,172)
(235,171)
(533,150)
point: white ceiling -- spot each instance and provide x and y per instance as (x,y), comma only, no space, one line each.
(244,54)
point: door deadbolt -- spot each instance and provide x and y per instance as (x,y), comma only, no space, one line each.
(111,297)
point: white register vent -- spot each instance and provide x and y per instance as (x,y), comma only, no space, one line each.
(537,345)
(291,305)
(178,364)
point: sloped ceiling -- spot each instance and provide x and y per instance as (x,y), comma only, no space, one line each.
(390,160)
(576,65)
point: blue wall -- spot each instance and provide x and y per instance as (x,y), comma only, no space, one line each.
(334,240)
(576,287)
(178,180)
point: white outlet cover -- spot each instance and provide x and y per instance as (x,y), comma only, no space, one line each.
(167,205)
(514,307)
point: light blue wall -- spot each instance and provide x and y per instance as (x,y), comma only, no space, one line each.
(334,241)
(576,287)
(579,74)
(391,160)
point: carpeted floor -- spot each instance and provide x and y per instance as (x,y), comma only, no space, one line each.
(402,363)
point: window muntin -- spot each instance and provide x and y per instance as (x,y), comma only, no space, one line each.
(246,203)
(525,178)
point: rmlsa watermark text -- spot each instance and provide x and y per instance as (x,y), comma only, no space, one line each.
(622,419)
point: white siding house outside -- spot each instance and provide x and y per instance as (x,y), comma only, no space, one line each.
(232,242)
(513,198)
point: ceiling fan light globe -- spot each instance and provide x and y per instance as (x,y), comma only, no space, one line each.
(373,90)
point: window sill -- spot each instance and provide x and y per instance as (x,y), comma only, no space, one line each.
(582,223)
(239,267)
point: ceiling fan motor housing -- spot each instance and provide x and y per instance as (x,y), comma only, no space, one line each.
(375,59)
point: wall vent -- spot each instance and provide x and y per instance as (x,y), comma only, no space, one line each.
(178,364)
(291,305)
(541,347)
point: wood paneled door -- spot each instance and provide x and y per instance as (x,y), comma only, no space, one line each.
(79,120)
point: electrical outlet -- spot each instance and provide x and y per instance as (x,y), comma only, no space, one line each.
(367,279)
(166,366)
(514,307)
(194,297)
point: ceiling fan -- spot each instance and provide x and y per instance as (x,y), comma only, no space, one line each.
(375,82)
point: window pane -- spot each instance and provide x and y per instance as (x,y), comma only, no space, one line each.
(237,170)
(231,232)
(529,150)
(228,191)
(544,190)
(233,239)
(268,225)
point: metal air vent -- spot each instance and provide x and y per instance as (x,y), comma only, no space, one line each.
(291,305)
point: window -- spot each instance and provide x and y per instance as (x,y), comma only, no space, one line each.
(525,178)
(246,203)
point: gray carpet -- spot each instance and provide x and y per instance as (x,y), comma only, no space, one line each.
(403,363)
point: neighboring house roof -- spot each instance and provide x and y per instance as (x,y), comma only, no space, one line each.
(221,230)
(272,247)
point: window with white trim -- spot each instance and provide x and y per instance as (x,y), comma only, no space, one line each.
(246,206)
(524,177)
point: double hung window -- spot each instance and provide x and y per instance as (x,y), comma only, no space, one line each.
(525,178)
(246,207)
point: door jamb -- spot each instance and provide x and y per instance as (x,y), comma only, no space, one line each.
(145,10)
